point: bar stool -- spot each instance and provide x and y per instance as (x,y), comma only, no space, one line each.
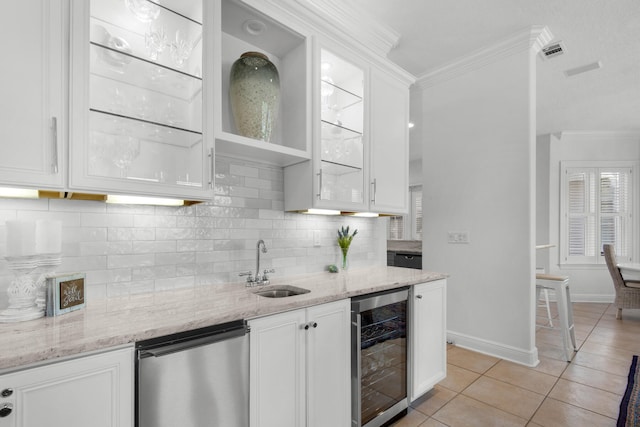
(560,285)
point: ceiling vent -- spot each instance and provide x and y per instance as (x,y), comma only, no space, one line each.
(552,50)
(583,69)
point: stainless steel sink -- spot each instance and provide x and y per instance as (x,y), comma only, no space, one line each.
(280,291)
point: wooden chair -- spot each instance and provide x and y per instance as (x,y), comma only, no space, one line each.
(627,291)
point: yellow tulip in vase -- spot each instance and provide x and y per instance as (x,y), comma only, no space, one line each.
(344,241)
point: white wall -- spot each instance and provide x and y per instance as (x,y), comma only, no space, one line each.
(592,283)
(127,250)
(479,177)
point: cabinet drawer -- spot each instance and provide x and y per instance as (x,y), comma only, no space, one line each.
(408,260)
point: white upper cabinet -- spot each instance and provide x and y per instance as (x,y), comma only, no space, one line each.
(340,153)
(140,120)
(33,82)
(245,29)
(389,138)
(361,144)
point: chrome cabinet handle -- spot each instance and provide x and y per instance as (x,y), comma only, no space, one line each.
(419,296)
(6,392)
(375,190)
(54,137)
(5,410)
(319,185)
(211,167)
(315,325)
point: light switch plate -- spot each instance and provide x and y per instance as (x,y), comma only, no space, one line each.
(316,237)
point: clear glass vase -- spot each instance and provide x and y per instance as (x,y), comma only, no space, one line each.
(344,264)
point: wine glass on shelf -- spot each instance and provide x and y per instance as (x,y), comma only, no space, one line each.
(155,39)
(181,50)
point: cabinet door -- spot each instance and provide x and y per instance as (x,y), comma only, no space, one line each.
(329,365)
(389,176)
(140,85)
(428,363)
(341,152)
(92,391)
(33,83)
(277,370)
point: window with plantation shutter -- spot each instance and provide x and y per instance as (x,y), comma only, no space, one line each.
(396,228)
(597,209)
(408,227)
(416,212)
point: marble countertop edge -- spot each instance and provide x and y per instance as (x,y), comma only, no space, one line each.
(126,319)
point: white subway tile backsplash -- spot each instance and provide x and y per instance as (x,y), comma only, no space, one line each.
(157,246)
(131,233)
(130,261)
(132,249)
(241,170)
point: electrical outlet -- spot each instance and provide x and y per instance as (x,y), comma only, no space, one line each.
(316,237)
(458,237)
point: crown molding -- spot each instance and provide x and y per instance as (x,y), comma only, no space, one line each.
(531,39)
(342,22)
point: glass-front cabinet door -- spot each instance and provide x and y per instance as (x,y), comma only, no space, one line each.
(143,131)
(342,153)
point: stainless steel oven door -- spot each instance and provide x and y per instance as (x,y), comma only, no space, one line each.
(379,357)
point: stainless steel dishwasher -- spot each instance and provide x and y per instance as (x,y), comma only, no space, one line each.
(194,379)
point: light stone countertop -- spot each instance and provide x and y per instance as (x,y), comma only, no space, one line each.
(405,246)
(116,321)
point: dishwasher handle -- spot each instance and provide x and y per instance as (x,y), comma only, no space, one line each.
(174,347)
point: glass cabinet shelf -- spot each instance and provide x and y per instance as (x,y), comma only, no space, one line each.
(340,145)
(335,98)
(154,132)
(332,168)
(126,69)
(136,150)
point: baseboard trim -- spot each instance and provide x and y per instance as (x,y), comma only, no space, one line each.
(495,349)
(597,298)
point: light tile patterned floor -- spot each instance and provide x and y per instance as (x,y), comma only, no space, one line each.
(485,391)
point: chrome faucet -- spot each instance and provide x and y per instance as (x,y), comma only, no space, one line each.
(258,279)
(264,250)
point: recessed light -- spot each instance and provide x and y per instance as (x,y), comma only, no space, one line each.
(254,27)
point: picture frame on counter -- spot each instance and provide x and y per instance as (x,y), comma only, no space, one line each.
(65,293)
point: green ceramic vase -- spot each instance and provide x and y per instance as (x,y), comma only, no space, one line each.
(254,93)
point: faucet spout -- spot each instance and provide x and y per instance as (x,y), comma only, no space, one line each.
(264,250)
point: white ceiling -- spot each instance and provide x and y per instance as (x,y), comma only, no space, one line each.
(434,32)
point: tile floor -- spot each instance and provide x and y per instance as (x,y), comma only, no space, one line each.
(482,390)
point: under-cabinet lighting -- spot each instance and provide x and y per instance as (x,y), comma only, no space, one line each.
(137,200)
(366,214)
(22,193)
(320,212)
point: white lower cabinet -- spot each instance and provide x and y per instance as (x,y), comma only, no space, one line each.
(95,390)
(300,368)
(427,337)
